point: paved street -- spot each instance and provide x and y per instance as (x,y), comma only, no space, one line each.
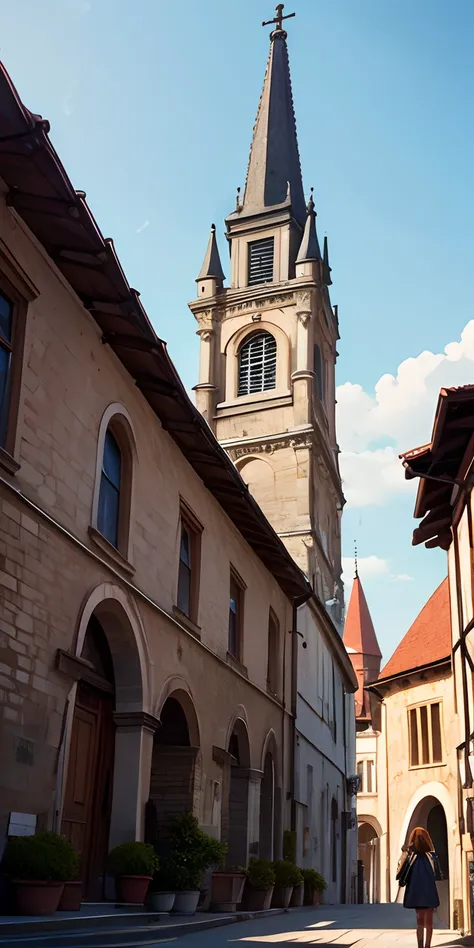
(378,925)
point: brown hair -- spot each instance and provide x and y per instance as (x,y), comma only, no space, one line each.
(420,841)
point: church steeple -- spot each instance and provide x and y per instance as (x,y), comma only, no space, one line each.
(211,275)
(274,171)
(361,644)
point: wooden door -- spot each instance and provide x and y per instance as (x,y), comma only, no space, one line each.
(88,795)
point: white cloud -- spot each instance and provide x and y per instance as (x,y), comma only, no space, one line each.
(142,227)
(401,412)
(401,578)
(367,566)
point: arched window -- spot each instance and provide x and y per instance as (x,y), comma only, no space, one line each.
(109,496)
(257,364)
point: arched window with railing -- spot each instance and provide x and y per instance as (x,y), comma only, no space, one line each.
(257,364)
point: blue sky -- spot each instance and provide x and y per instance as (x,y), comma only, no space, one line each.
(151,105)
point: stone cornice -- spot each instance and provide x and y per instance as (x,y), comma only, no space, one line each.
(268,444)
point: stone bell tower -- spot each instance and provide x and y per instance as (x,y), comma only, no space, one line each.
(268,342)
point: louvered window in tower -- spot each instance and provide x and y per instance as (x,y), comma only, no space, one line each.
(261,261)
(257,364)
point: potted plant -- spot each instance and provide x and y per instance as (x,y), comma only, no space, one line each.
(314,886)
(133,865)
(38,866)
(160,897)
(297,896)
(227,888)
(71,898)
(287,875)
(259,885)
(191,852)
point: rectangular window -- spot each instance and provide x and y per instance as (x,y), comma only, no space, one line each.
(260,268)
(370,776)
(236,601)
(273,656)
(424,726)
(189,565)
(318,368)
(360,774)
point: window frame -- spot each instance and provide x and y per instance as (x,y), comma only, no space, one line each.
(417,708)
(20,291)
(245,344)
(116,420)
(238,583)
(273,679)
(253,243)
(362,770)
(107,480)
(189,522)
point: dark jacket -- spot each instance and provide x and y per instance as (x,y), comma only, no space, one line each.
(421,891)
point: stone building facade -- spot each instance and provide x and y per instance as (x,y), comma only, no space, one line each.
(444,506)
(146,603)
(407,734)
(267,389)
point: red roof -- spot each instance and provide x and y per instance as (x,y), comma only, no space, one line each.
(428,640)
(359,632)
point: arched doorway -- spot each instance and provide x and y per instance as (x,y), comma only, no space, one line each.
(88,794)
(236,831)
(175,771)
(108,742)
(430,814)
(368,855)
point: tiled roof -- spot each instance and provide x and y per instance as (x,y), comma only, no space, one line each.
(359,632)
(428,640)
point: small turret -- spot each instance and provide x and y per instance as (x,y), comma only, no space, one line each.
(309,254)
(211,277)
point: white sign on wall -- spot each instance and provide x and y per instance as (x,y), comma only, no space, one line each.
(22,824)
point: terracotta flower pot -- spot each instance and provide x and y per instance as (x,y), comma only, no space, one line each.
(312,896)
(71,898)
(281,896)
(226,891)
(297,897)
(37,898)
(256,900)
(133,889)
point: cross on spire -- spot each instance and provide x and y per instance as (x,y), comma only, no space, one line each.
(356,565)
(278,19)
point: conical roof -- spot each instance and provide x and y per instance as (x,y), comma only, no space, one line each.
(309,247)
(211,267)
(274,171)
(359,633)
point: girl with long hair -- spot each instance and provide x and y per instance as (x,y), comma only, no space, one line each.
(419,872)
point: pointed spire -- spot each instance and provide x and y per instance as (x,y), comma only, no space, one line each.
(309,248)
(326,267)
(274,171)
(359,633)
(212,267)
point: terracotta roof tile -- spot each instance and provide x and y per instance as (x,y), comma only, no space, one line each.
(428,640)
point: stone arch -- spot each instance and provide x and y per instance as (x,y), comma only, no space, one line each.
(117,420)
(107,745)
(260,478)
(270,799)
(429,799)
(235,809)
(239,714)
(126,635)
(178,688)
(175,779)
(231,351)
(371,821)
